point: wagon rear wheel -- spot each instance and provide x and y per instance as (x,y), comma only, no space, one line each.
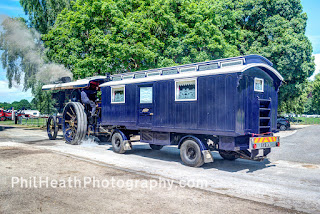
(2,118)
(52,127)
(117,143)
(74,123)
(190,153)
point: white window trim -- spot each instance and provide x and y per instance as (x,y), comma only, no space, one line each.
(124,93)
(254,85)
(183,80)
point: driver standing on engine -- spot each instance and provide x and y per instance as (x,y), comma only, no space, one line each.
(88,96)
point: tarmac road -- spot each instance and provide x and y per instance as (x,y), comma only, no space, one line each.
(302,147)
(280,181)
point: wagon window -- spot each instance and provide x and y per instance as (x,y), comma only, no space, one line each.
(258,85)
(145,94)
(118,95)
(186,90)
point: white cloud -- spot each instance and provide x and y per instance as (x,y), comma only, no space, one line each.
(317,68)
(13,94)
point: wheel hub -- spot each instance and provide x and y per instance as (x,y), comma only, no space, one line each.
(191,153)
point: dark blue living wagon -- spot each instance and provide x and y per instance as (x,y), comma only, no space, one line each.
(227,105)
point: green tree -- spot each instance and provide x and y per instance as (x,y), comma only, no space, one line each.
(95,37)
(276,30)
(43,13)
(42,100)
(316,95)
(21,52)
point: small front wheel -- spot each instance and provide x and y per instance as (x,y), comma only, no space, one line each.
(190,153)
(155,147)
(52,128)
(3,118)
(117,143)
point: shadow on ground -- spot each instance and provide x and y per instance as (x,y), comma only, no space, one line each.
(172,154)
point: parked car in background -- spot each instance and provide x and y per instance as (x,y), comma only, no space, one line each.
(283,123)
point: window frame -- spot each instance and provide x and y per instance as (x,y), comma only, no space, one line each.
(124,93)
(254,85)
(184,80)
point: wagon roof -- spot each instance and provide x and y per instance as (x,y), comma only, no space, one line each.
(82,83)
(223,66)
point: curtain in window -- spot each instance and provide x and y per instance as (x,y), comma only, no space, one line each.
(118,96)
(186,90)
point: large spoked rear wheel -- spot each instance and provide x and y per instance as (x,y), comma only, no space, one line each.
(3,118)
(52,127)
(190,153)
(74,123)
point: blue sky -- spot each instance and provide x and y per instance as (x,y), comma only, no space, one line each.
(13,8)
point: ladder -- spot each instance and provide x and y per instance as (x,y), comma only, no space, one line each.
(264,115)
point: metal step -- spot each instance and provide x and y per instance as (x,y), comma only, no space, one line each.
(264,127)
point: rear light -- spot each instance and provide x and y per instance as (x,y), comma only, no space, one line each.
(278,144)
(254,146)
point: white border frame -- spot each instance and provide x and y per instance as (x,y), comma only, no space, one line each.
(254,85)
(183,80)
(124,93)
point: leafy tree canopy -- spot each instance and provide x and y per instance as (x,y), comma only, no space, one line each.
(43,13)
(316,95)
(16,105)
(276,30)
(118,36)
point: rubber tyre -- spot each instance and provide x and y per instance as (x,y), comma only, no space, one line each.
(283,128)
(228,155)
(52,127)
(117,143)
(3,118)
(155,147)
(76,110)
(190,153)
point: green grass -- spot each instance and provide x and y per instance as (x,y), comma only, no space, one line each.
(7,122)
(307,120)
(30,122)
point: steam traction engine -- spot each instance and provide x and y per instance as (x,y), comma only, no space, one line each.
(72,116)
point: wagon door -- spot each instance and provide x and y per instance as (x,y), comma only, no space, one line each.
(145,100)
